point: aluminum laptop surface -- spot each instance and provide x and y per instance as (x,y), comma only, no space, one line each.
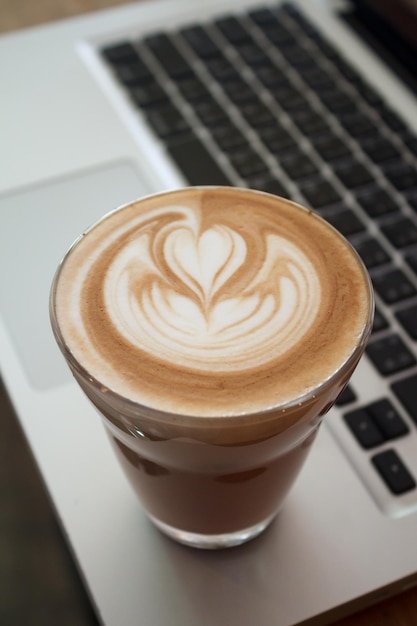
(72,148)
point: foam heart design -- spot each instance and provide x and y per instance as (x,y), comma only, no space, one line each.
(204,262)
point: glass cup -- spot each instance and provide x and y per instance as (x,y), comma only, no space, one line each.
(212,482)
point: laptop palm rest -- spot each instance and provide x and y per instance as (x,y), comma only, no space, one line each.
(39,223)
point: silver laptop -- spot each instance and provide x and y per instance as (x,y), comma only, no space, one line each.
(299,99)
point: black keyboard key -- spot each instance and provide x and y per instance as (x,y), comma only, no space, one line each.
(269,183)
(390,355)
(330,147)
(371,252)
(394,472)
(358,124)
(387,418)
(238,90)
(376,202)
(133,74)
(317,78)
(309,122)
(122,53)
(412,261)
(281,82)
(253,55)
(337,100)
(402,175)
(128,66)
(192,89)
(293,101)
(211,114)
(346,397)
(168,55)
(393,286)
(298,57)
(228,137)
(262,16)
(247,162)
(364,428)
(167,121)
(199,40)
(380,149)
(278,34)
(406,392)
(380,322)
(271,76)
(408,319)
(353,174)
(196,163)
(297,165)
(148,95)
(277,139)
(319,193)
(232,30)
(344,220)
(257,114)
(401,233)
(221,69)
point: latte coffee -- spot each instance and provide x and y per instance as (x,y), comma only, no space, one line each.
(212,328)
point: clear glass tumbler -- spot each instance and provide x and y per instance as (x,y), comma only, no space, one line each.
(211,482)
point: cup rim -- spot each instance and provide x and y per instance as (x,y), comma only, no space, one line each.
(164,415)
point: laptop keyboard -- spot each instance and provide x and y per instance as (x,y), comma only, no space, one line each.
(263,100)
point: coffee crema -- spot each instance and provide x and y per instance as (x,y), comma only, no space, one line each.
(212,301)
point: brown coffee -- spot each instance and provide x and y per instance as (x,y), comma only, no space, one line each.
(212,327)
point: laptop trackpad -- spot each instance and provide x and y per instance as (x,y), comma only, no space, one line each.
(38,224)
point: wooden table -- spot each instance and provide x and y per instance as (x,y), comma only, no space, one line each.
(15,14)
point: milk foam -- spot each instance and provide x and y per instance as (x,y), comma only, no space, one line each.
(169,296)
(185,301)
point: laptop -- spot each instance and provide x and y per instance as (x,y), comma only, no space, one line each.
(314,100)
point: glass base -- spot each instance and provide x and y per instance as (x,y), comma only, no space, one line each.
(212,542)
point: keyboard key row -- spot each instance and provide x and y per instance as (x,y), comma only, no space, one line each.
(376,423)
(406,316)
(390,355)
(168,121)
(393,286)
(372,253)
(401,233)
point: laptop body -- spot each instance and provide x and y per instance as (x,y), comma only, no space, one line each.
(72,148)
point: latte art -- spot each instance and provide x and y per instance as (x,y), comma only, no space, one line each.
(211,301)
(191,296)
